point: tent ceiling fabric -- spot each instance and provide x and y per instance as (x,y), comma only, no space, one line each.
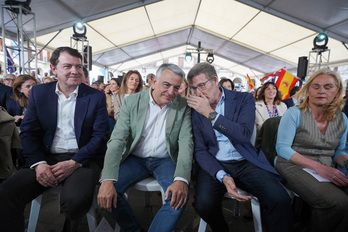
(254,37)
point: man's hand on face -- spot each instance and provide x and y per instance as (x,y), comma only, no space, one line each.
(200,103)
(63,169)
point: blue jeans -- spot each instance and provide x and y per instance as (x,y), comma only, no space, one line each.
(133,170)
(274,200)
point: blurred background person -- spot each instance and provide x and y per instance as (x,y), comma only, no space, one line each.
(184,89)
(268,105)
(47,80)
(9,79)
(226,83)
(291,101)
(86,74)
(149,78)
(102,86)
(313,135)
(131,83)
(18,102)
(257,91)
(95,85)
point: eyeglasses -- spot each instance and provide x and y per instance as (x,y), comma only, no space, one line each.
(200,86)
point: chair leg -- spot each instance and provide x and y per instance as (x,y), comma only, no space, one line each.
(91,216)
(202,226)
(255,206)
(34,213)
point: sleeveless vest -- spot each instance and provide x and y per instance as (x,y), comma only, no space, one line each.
(311,143)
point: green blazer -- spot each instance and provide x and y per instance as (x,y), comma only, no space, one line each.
(129,128)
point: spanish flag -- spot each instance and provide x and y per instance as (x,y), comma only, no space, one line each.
(285,82)
(251,84)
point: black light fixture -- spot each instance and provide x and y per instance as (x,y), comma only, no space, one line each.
(188,57)
(79,30)
(210,57)
(320,41)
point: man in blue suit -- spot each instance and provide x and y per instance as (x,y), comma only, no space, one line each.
(64,135)
(223,123)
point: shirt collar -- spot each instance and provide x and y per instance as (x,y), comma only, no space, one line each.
(74,94)
(222,99)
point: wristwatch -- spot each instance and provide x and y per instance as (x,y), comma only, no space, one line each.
(212,115)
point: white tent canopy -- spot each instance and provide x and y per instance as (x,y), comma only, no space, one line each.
(255,37)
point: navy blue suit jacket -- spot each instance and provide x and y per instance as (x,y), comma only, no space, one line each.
(237,124)
(5,93)
(13,107)
(39,124)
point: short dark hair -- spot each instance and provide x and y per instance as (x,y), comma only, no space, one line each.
(223,80)
(293,90)
(199,68)
(56,53)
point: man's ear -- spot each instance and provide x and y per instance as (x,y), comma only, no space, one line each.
(53,69)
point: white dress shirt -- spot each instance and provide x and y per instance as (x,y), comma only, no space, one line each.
(153,139)
(64,140)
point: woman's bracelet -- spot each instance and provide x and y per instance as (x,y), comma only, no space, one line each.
(345,164)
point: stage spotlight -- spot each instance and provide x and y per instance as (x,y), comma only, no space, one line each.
(188,57)
(210,58)
(320,41)
(79,30)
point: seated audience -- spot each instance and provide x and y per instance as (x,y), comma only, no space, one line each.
(9,79)
(291,101)
(184,90)
(226,83)
(268,104)
(131,83)
(18,102)
(152,137)
(223,123)
(64,135)
(313,135)
(95,85)
(47,80)
(149,78)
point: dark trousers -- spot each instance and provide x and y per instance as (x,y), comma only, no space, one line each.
(21,188)
(274,200)
(328,202)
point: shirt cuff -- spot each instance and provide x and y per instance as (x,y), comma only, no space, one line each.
(220,174)
(182,179)
(114,180)
(34,165)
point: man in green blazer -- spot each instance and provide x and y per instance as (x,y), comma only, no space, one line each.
(152,137)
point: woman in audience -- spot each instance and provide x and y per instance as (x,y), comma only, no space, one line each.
(184,89)
(268,105)
(131,83)
(227,84)
(47,80)
(313,135)
(17,104)
(110,92)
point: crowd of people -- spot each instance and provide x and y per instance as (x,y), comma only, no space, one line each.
(123,131)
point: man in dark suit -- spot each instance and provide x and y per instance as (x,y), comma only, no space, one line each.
(223,123)
(5,93)
(64,135)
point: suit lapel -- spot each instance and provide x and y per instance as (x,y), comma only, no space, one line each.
(230,105)
(81,107)
(52,112)
(171,116)
(142,112)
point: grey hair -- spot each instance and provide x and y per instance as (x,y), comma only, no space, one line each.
(199,68)
(172,67)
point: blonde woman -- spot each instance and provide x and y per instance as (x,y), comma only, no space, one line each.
(313,135)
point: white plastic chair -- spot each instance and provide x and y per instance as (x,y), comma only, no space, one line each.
(256,209)
(149,184)
(36,205)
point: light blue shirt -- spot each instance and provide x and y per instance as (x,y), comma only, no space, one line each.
(287,130)
(226,151)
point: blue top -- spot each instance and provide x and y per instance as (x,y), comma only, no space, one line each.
(226,148)
(287,130)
